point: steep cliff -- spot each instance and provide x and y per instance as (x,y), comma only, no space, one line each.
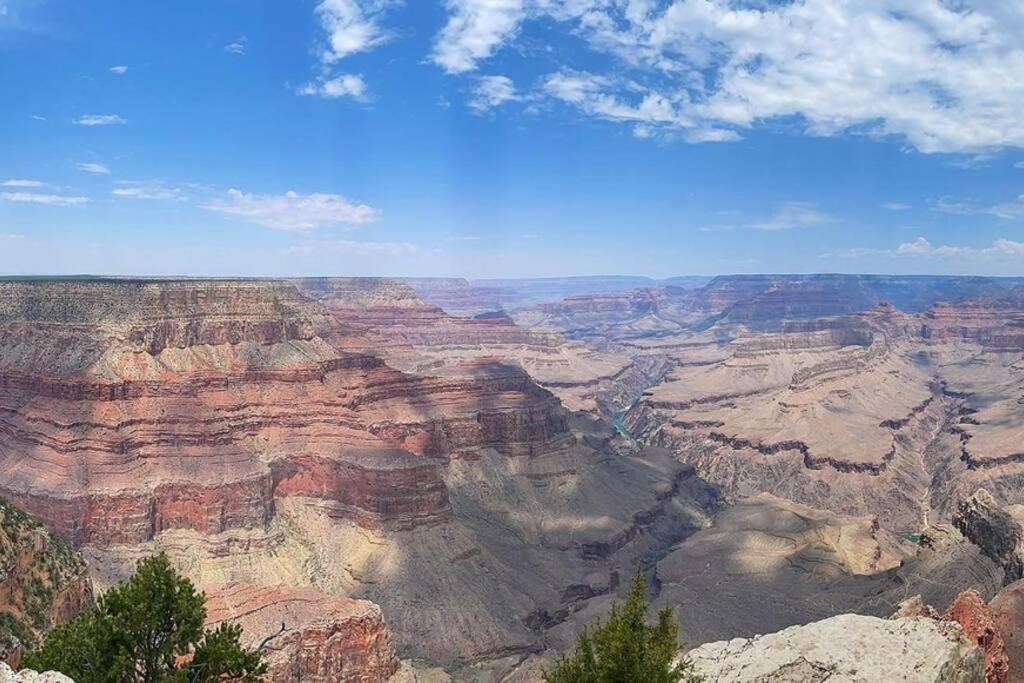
(43,582)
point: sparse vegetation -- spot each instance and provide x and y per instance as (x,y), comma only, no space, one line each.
(625,648)
(148,629)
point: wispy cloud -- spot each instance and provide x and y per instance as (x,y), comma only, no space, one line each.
(120,69)
(137,190)
(794,215)
(345,85)
(922,248)
(99,120)
(94,168)
(237,47)
(22,182)
(896,206)
(36,198)
(293,211)
(353,247)
(1008,210)
(492,91)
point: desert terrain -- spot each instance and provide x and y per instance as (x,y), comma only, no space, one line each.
(431,478)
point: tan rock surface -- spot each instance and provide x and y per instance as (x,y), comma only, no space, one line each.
(846,649)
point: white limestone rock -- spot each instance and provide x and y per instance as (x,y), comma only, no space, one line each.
(848,648)
(8,675)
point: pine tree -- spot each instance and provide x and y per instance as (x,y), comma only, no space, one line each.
(626,649)
(148,629)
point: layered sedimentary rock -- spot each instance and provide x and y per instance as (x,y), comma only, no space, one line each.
(308,636)
(997,531)
(260,433)
(848,648)
(43,582)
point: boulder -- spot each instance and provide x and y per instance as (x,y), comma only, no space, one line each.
(8,675)
(1008,613)
(848,648)
(971,611)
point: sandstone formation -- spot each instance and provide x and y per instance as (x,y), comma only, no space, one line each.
(1008,613)
(43,582)
(847,648)
(325,639)
(975,617)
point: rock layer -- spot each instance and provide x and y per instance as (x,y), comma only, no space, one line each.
(325,639)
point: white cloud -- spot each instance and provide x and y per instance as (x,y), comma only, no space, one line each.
(492,91)
(353,247)
(135,190)
(938,74)
(120,69)
(99,120)
(345,85)
(35,198)
(475,29)
(352,26)
(21,182)
(922,248)
(794,215)
(293,211)
(96,169)
(237,47)
(896,206)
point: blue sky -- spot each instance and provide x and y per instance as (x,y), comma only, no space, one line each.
(500,138)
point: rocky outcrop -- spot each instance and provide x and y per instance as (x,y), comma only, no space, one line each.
(43,582)
(846,649)
(7,675)
(1008,613)
(324,639)
(973,614)
(993,529)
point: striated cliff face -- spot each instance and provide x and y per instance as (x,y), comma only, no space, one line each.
(333,435)
(995,530)
(43,582)
(105,429)
(325,639)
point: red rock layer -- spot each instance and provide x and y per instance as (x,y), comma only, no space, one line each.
(115,434)
(1008,613)
(326,639)
(971,611)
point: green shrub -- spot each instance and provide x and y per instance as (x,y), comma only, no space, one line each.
(626,649)
(148,629)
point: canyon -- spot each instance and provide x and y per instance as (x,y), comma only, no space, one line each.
(431,477)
